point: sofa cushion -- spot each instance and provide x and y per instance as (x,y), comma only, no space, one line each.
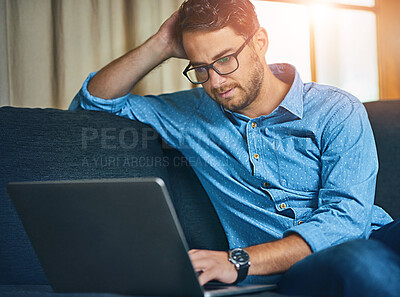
(198,218)
(385,121)
(49,144)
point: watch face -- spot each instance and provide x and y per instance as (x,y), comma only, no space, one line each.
(240,256)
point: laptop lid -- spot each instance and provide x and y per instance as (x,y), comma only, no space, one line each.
(119,236)
(110,235)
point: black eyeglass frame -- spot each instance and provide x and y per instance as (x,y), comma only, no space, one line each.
(211,66)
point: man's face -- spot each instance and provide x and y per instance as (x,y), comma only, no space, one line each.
(235,91)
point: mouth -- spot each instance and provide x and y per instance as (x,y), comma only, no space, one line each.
(227,93)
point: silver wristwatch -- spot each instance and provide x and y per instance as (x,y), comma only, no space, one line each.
(241,259)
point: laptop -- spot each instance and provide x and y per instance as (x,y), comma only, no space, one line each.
(111,235)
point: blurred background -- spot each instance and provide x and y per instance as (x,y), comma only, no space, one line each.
(48,47)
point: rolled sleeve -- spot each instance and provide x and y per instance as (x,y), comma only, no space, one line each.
(87,101)
(349,166)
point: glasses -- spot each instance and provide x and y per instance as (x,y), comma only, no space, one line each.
(223,66)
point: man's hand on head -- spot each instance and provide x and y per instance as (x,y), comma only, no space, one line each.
(213,265)
(168,35)
(118,78)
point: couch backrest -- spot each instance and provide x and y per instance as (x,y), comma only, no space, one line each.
(385,121)
(49,144)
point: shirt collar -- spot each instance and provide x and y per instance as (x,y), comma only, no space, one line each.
(293,101)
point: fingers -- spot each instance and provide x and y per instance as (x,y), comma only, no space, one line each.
(212,265)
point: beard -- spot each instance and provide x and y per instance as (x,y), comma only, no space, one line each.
(245,93)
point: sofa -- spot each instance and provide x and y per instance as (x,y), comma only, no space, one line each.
(51,144)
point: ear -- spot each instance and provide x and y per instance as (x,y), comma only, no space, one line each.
(261,41)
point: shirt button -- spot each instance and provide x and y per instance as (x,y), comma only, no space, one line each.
(282,206)
(256,156)
(266,184)
(254,124)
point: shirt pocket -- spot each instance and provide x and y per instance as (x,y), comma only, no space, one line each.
(299,164)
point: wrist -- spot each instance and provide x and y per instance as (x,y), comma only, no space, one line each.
(162,46)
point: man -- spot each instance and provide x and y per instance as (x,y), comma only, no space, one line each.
(289,167)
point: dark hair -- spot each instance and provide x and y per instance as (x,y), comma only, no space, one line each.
(211,15)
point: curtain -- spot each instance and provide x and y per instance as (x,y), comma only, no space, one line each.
(48,47)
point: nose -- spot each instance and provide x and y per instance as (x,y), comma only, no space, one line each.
(216,80)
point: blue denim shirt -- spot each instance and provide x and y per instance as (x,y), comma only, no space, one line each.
(309,167)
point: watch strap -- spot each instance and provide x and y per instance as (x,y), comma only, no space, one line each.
(242,273)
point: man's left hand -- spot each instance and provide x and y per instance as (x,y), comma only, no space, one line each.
(213,265)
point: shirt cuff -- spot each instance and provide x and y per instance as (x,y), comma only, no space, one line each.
(90,102)
(312,234)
